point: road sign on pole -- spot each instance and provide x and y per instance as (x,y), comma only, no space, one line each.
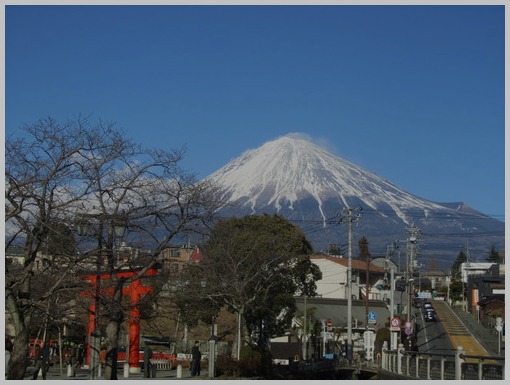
(395,324)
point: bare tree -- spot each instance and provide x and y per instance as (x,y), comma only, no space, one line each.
(81,172)
(39,173)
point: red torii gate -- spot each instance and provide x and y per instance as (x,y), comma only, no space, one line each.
(135,291)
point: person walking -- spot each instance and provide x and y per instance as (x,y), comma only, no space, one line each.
(42,361)
(147,366)
(80,356)
(196,356)
(8,353)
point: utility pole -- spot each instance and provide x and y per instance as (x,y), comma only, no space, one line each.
(465,296)
(367,294)
(414,232)
(389,251)
(350,219)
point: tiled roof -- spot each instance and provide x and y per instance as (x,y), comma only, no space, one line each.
(196,256)
(356,264)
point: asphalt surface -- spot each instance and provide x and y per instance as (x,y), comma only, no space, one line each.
(487,337)
(83,374)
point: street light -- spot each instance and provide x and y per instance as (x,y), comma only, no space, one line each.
(305,318)
(116,228)
(211,343)
(212,349)
(305,335)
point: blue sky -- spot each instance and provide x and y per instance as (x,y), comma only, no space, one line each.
(414,94)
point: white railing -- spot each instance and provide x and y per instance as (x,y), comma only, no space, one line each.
(434,366)
(162,364)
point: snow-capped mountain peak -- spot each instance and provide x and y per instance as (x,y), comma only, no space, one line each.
(289,169)
(311,187)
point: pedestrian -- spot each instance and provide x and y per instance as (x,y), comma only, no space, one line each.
(42,361)
(147,365)
(196,356)
(8,353)
(80,356)
(71,368)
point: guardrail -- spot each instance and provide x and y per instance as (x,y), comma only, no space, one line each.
(162,364)
(434,366)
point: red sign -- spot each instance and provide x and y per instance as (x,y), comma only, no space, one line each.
(329,323)
(395,324)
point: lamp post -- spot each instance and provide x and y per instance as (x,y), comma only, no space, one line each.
(212,349)
(305,342)
(305,328)
(211,343)
(116,227)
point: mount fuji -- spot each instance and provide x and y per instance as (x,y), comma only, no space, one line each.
(295,178)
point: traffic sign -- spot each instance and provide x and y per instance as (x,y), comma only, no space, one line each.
(407,325)
(395,324)
(408,331)
(499,324)
(371,315)
(329,325)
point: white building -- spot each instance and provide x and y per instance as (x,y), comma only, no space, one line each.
(334,278)
(474,269)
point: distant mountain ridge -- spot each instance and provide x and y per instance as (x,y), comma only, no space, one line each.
(308,185)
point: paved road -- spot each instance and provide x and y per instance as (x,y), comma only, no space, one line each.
(487,337)
(464,330)
(432,337)
(83,374)
(459,334)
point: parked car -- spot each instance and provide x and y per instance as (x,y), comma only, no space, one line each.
(430,317)
(427,305)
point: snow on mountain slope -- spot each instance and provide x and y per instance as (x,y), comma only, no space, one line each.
(289,169)
(310,186)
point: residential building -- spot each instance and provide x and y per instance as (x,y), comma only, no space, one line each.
(334,278)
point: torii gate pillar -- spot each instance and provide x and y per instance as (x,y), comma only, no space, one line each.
(135,291)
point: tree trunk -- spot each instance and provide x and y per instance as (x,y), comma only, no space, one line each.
(112,331)
(239,338)
(112,334)
(17,363)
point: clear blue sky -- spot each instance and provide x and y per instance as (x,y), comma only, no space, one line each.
(414,94)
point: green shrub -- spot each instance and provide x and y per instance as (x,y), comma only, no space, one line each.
(227,366)
(255,361)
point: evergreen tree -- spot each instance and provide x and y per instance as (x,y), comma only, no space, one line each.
(364,253)
(461,258)
(254,266)
(494,256)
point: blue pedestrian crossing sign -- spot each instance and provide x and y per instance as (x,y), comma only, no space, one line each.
(371,315)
